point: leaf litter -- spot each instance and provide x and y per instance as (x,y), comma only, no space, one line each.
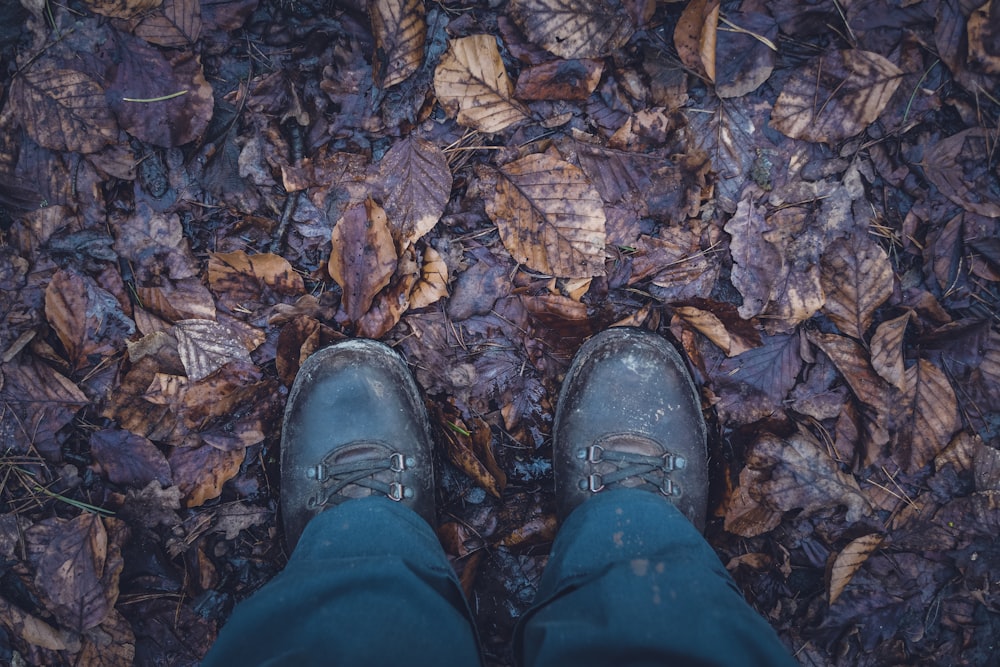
(195,197)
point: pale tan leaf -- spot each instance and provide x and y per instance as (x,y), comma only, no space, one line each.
(400,29)
(574,28)
(433,283)
(363,258)
(177,23)
(930,416)
(857,278)
(415,184)
(730,342)
(472,83)
(695,33)
(62,109)
(205,346)
(836,96)
(851,360)
(549,216)
(887,350)
(200,472)
(849,561)
(121,9)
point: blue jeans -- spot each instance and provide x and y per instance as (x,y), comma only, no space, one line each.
(630,582)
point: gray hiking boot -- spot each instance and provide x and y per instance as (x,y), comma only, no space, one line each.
(630,416)
(354,426)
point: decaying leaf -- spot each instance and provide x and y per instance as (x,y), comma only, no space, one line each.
(63,109)
(177,23)
(363,257)
(35,402)
(754,259)
(433,283)
(696,34)
(930,416)
(559,80)
(753,385)
(472,83)
(414,184)
(849,560)
(87,319)
(887,350)
(205,346)
(852,361)
(574,28)
(732,336)
(250,281)
(962,167)
(745,53)
(471,450)
(400,29)
(857,279)
(129,459)
(121,9)
(200,472)
(836,96)
(550,217)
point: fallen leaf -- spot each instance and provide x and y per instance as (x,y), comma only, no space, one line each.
(77,564)
(433,283)
(836,96)
(400,29)
(176,23)
(754,259)
(852,362)
(559,80)
(574,28)
(251,281)
(695,36)
(363,258)
(62,109)
(472,83)
(154,242)
(745,53)
(857,279)
(35,403)
(549,216)
(960,166)
(121,9)
(205,346)
(929,416)
(36,631)
(887,350)
(414,184)
(110,644)
(88,320)
(201,472)
(179,300)
(129,459)
(233,518)
(733,338)
(984,38)
(471,451)
(849,560)
(753,385)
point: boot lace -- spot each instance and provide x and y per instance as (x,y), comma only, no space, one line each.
(380,474)
(653,471)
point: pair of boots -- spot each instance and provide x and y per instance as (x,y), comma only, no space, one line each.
(628,416)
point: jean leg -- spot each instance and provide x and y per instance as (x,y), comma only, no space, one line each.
(631,582)
(367,584)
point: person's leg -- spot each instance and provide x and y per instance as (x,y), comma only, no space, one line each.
(632,582)
(368,584)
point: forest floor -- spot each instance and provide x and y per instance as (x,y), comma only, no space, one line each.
(803,197)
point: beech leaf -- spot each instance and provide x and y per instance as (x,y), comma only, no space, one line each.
(363,257)
(400,29)
(849,560)
(549,216)
(415,184)
(177,23)
(836,96)
(574,28)
(472,83)
(887,350)
(857,278)
(205,346)
(930,416)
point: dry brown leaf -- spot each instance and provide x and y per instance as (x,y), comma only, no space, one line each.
(472,452)
(857,278)
(887,350)
(400,29)
(177,23)
(62,109)
(363,258)
(200,472)
(248,280)
(433,283)
(836,96)
(549,216)
(206,346)
(472,84)
(121,9)
(849,561)
(930,416)
(414,184)
(574,28)
(730,341)
(181,300)
(960,166)
(559,80)
(695,36)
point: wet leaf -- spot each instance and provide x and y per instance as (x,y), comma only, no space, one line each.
(250,281)
(36,631)
(676,263)
(77,564)
(984,38)
(205,346)
(753,385)
(836,96)
(180,300)
(745,53)
(121,9)
(754,259)
(433,283)
(720,324)
(35,402)
(164,101)
(574,28)
(559,80)
(887,350)
(852,362)
(400,29)
(414,184)
(857,279)
(177,23)
(472,83)
(471,451)
(87,319)
(363,258)
(549,216)
(930,416)
(390,304)
(129,459)
(201,472)
(962,167)
(63,109)
(849,560)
